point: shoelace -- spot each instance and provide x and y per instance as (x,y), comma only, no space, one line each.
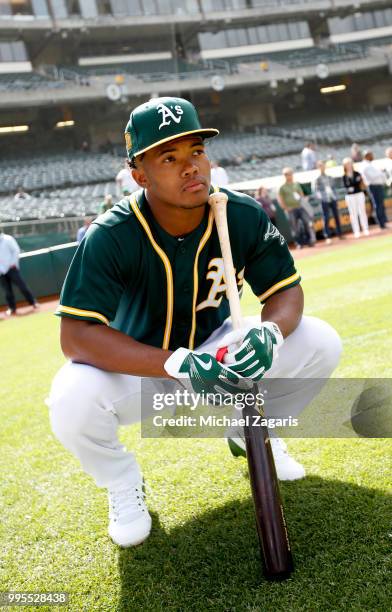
(126,504)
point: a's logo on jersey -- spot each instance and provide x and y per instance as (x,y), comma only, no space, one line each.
(273,232)
(216,272)
(168,115)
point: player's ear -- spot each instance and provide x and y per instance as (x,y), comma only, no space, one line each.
(139,176)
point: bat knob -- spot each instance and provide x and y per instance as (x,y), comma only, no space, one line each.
(217,198)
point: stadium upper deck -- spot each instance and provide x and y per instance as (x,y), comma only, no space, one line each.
(244,63)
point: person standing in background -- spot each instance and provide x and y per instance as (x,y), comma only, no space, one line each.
(325,193)
(125,182)
(218,175)
(308,156)
(10,275)
(388,166)
(355,152)
(106,204)
(266,203)
(21,195)
(331,161)
(82,230)
(355,198)
(374,179)
(290,198)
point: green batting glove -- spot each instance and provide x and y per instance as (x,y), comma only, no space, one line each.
(205,373)
(256,352)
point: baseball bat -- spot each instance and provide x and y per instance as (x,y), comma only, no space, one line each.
(270,520)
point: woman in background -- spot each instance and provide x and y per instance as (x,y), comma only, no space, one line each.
(355,198)
(263,198)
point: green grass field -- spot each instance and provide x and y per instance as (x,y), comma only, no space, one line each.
(203,552)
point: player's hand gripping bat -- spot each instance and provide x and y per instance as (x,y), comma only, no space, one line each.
(270,521)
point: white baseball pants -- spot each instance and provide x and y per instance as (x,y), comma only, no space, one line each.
(356,204)
(87,405)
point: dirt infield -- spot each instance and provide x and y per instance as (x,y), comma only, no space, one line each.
(46,304)
(336,244)
(49,304)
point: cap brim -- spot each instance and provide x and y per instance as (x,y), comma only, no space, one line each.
(205,133)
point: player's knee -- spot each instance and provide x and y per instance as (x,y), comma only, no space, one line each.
(328,347)
(74,406)
(69,416)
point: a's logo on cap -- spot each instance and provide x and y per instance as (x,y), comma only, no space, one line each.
(128,141)
(168,115)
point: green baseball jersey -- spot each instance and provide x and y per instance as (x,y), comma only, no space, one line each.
(165,291)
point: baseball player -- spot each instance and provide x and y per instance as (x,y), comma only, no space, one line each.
(145,297)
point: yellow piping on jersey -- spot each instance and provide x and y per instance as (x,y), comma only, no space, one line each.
(169,273)
(78,312)
(203,240)
(277,286)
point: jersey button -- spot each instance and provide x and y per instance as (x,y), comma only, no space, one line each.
(182,250)
(186,288)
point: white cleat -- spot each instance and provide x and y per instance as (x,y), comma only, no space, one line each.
(287,468)
(129,519)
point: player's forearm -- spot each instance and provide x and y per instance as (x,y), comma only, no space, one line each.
(110,350)
(285,309)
